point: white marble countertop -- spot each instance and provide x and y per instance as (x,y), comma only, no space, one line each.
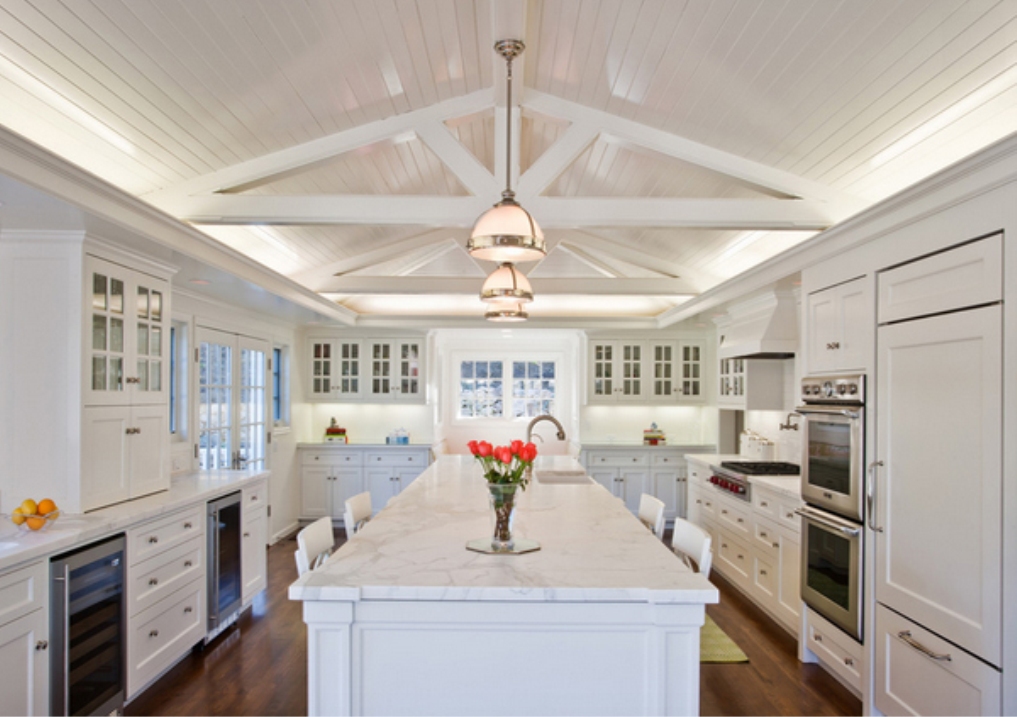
(592,549)
(340,444)
(72,530)
(597,446)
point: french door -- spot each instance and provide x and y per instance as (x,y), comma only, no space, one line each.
(232,400)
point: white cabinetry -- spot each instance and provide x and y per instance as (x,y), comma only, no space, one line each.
(939,482)
(646,371)
(254,541)
(24,640)
(668,481)
(330,474)
(628,472)
(838,327)
(625,474)
(124,453)
(165,593)
(363,369)
(751,384)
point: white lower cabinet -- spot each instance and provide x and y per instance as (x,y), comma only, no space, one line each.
(918,673)
(254,540)
(838,652)
(24,640)
(166,560)
(125,453)
(631,471)
(330,474)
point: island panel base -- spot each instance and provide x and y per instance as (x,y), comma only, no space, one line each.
(494,658)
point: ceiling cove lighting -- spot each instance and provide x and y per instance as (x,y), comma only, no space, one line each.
(507,232)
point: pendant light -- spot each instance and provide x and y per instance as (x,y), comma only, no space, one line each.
(507,232)
(506,285)
(507,313)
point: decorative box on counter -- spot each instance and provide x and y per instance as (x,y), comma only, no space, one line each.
(335,433)
(398,438)
(653,436)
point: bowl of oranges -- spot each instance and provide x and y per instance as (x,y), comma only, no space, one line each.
(32,516)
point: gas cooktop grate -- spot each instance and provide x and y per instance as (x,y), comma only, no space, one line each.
(772,468)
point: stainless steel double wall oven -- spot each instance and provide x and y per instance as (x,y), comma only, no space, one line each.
(833,488)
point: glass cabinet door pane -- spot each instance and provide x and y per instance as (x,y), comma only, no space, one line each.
(116,335)
(99,292)
(116,373)
(156,305)
(155,375)
(155,334)
(142,374)
(143,339)
(98,332)
(98,373)
(142,303)
(116,296)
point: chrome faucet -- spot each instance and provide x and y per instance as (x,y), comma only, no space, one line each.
(545,417)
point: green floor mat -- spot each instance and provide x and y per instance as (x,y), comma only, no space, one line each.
(716,646)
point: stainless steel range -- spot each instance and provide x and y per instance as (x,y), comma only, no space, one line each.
(731,475)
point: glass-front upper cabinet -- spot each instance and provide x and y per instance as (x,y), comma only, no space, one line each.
(126,318)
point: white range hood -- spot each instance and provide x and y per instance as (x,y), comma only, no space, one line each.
(762,327)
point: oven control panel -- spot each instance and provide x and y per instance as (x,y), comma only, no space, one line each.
(834,389)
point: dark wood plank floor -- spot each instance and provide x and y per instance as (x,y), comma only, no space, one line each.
(259,667)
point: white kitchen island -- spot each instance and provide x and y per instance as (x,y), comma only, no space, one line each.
(403,619)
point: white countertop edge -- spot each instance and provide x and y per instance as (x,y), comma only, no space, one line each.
(73,530)
(699,592)
(339,444)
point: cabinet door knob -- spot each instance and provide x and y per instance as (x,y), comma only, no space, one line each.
(247,535)
(188,610)
(41,645)
(188,563)
(818,638)
(187,526)
(848,661)
(776,545)
(153,581)
(154,633)
(762,534)
(761,572)
(764,504)
(153,540)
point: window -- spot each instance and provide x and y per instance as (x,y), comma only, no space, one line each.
(482,389)
(232,406)
(178,380)
(280,386)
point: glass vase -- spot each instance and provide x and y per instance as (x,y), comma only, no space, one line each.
(503,508)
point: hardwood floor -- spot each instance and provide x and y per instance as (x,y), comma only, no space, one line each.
(259,667)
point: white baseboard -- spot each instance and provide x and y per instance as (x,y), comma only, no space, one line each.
(285,532)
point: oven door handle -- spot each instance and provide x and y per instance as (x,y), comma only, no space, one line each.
(806,410)
(826,522)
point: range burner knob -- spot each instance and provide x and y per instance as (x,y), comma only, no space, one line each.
(842,388)
(853,389)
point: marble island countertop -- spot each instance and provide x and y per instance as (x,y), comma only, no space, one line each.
(592,549)
(75,529)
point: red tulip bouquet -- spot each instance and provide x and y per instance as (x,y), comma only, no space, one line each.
(505,470)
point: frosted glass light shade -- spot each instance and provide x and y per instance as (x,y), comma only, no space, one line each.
(506,232)
(509,312)
(506,285)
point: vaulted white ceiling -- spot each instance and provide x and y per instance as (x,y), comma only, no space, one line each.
(665,146)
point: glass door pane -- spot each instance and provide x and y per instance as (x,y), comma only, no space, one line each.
(215,391)
(252,424)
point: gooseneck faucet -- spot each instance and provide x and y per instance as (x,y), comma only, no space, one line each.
(545,417)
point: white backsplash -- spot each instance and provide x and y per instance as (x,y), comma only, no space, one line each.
(370,422)
(683,425)
(788,443)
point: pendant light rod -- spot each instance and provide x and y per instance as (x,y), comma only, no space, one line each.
(509,49)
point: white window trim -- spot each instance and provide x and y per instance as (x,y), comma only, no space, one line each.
(285,424)
(183,325)
(507,357)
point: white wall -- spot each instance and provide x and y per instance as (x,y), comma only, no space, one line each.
(767,423)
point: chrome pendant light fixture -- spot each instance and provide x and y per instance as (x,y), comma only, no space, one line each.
(507,232)
(506,285)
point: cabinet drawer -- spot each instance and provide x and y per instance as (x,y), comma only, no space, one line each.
(618,459)
(709,506)
(736,518)
(165,573)
(909,681)
(969,275)
(765,537)
(786,515)
(734,557)
(666,459)
(161,634)
(765,503)
(159,535)
(397,458)
(837,651)
(698,472)
(23,590)
(332,458)
(255,496)
(764,578)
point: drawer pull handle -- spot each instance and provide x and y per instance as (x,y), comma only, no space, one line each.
(763,534)
(723,545)
(154,633)
(905,635)
(699,502)
(41,645)
(849,662)
(187,526)
(776,545)
(153,581)
(761,572)
(764,504)
(741,557)
(789,515)
(723,512)
(247,535)
(817,638)
(254,497)
(153,540)
(740,520)
(188,563)
(833,346)
(188,610)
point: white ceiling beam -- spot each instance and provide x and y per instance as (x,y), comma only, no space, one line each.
(372,257)
(419,285)
(553,212)
(468,169)
(291,158)
(550,212)
(592,262)
(685,149)
(557,158)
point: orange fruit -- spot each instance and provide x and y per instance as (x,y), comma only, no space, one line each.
(46,506)
(35,522)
